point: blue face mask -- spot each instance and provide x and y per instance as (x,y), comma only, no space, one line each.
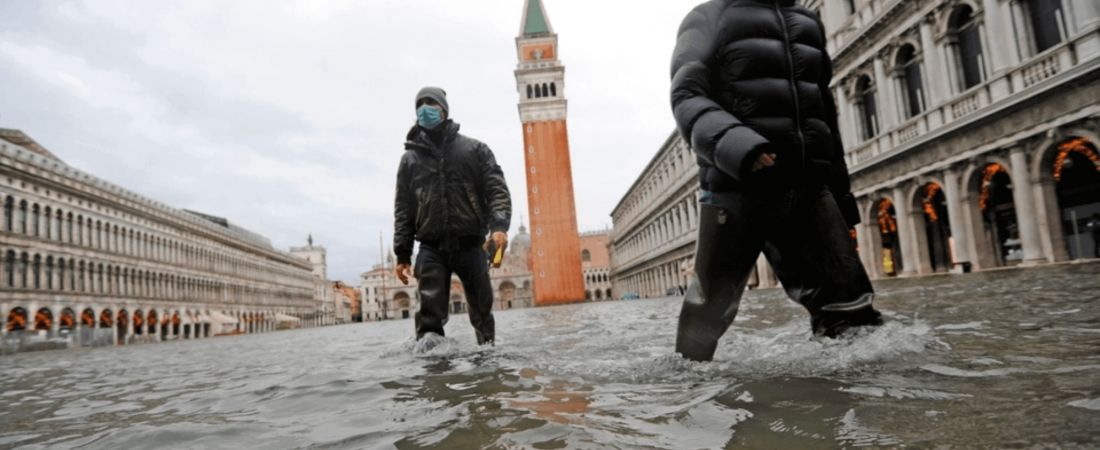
(429,116)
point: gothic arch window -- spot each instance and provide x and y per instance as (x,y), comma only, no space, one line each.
(538,92)
(910,81)
(1048,23)
(528,91)
(553,90)
(965,43)
(868,111)
(586,255)
(545,92)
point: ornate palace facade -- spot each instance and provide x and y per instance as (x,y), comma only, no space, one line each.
(86,262)
(970,130)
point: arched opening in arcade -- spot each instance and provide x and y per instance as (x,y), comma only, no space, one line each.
(1076,172)
(17,319)
(1000,230)
(105,320)
(588,295)
(935,228)
(67,321)
(608,293)
(176,324)
(507,293)
(151,320)
(139,322)
(401,301)
(43,319)
(87,318)
(120,325)
(889,243)
(456,303)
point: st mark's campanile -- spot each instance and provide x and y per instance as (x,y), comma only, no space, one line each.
(540,78)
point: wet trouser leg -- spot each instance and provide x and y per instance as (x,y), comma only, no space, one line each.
(815,259)
(433,277)
(472,267)
(726,251)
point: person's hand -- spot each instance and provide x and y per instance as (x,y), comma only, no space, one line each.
(403,272)
(501,240)
(765,160)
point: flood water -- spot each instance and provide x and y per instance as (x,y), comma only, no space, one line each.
(1002,359)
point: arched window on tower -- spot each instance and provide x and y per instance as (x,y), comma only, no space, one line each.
(528,91)
(910,82)
(553,90)
(545,92)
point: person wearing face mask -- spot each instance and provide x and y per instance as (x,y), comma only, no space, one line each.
(450,194)
(750,93)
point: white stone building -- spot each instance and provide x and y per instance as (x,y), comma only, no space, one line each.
(652,243)
(323,294)
(86,262)
(970,130)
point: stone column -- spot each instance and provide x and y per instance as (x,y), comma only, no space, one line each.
(1022,194)
(955,216)
(910,262)
(1000,35)
(934,67)
(886,102)
(846,118)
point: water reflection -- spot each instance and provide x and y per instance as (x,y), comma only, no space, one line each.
(996,359)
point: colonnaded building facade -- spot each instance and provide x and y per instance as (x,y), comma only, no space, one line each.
(652,244)
(85,262)
(970,130)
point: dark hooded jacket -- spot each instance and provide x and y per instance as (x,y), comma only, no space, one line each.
(449,195)
(752,77)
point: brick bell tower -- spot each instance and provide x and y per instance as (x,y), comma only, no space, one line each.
(540,78)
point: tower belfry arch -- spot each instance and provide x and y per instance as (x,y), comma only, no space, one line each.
(540,81)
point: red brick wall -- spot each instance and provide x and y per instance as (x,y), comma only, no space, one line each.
(555,246)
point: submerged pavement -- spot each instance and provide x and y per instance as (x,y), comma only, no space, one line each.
(1007,358)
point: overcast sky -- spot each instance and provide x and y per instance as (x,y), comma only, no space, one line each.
(288,117)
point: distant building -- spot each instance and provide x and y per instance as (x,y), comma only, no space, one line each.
(652,243)
(596,264)
(84,262)
(324,295)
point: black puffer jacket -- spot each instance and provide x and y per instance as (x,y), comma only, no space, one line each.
(451,195)
(752,77)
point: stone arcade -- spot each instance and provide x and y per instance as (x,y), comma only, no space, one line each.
(86,262)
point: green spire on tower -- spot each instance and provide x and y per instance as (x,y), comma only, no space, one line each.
(534,21)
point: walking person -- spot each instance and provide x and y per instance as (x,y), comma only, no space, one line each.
(450,194)
(750,93)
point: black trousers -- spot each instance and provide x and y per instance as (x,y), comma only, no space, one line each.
(802,235)
(433,275)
